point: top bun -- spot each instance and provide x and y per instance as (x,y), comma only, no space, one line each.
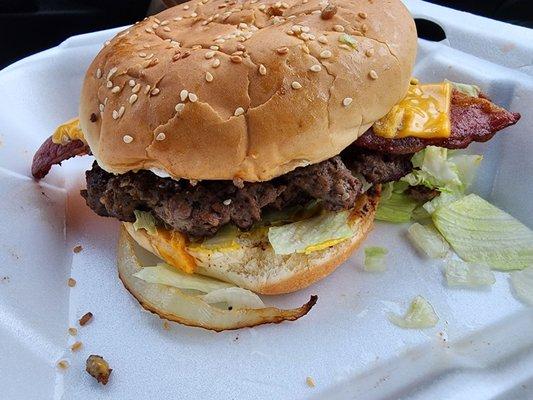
(232,89)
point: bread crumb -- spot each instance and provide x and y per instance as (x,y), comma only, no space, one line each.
(77,249)
(76,346)
(72,331)
(310,382)
(63,364)
(71,282)
(86,318)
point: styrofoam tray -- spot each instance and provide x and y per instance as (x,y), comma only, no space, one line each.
(482,348)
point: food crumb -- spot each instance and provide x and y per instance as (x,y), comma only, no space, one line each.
(98,368)
(71,282)
(86,318)
(77,249)
(72,331)
(166,325)
(310,382)
(63,364)
(76,346)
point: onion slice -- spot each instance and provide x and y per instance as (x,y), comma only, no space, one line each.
(175,305)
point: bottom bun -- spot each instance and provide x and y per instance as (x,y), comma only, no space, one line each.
(253,264)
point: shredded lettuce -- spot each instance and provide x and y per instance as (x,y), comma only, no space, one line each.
(311,234)
(459,273)
(435,169)
(482,233)
(419,315)
(290,214)
(428,240)
(397,208)
(144,220)
(165,274)
(225,239)
(470,90)
(375,259)
(522,283)
(235,297)
(440,200)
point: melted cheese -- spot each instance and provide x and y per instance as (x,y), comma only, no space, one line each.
(423,113)
(68,131)
(173,249)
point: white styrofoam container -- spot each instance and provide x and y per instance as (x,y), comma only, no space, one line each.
(482,348)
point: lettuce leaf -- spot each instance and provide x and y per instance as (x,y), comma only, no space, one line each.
(397,208)
(419,315)
(470,90)
(234,297)
(165,274)
(428,240)
(459,273)
(522,283)
(144,220)
(482,233)
(435,169)
(311,234)
(375,259)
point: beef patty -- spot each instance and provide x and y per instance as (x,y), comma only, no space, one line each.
(202,209)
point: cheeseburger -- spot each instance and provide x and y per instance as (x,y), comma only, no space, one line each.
(247,141)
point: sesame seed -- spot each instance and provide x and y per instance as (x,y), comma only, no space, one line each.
(133,98)
(216,63)
(149,30)
(316,12)
(142,55)
(193,98)
(369,52)
(72,331)
(262,7)
(109,84)
(131,83)
(105,101)
(116,89)
(194,15)
(227,202)
(101,107)
(305,1)
(338,28)
(127,139)
(163,23)
(157,20)
(76,346)
(304,36)
(364,28)
(160,136)
(209,54)
(219,41)
(345,46)
(214,47)
(63,364)
(284,5)
(147,89)
(262,70)
(306,29)
(209,77)
(236,59)
(155,26)
(296,28)
(296,85)
(315,68)
(179,107)
(347,101)
(121,111)
(184,94)
(362,15)
(98,73)
(178,19)
(196,47)
(242,25)
(166,29)
(136,88)
(282,50)
(186,7)
(373,74)
(155,92)
(115,114)
(238,111)
(325,54)
(322,39)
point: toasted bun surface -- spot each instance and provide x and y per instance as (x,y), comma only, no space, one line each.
(255,266)
(165,98)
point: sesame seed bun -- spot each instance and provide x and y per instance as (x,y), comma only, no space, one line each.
(284,87)
(255,266)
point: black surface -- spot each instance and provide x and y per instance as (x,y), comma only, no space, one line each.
(29,26)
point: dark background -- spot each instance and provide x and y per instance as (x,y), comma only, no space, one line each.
(28,26)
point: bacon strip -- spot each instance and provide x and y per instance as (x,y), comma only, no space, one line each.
(473,119)
(51,153)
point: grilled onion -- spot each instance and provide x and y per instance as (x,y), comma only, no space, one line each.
(176,305)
